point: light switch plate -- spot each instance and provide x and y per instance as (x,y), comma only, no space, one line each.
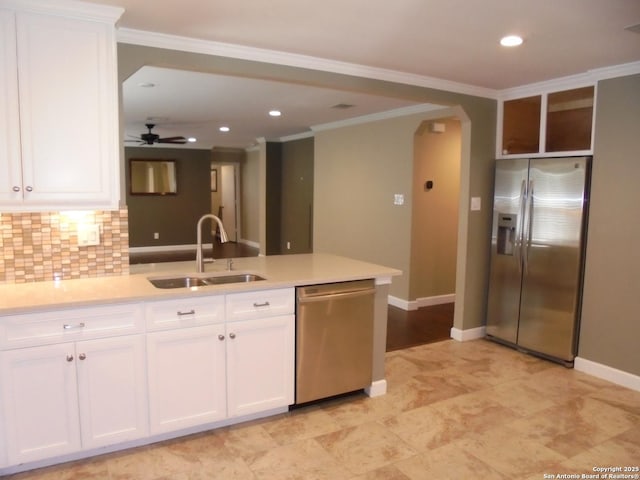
(476,203)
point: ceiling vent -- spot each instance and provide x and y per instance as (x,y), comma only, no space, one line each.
(343,106)
(633,28)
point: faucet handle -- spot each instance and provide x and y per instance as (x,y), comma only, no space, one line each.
(229,264)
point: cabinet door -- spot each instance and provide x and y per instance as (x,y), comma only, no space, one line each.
(260,364)
(186,369)
(67,110)
(10,169)
(112,390)
(40,402)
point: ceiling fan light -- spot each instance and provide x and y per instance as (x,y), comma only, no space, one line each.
(511,41)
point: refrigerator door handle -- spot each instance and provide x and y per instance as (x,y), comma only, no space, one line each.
(528,231)
(517,251)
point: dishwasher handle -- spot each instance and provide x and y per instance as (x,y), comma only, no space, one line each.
(336,296)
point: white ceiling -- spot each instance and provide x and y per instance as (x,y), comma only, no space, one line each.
(188,103)
(453,40)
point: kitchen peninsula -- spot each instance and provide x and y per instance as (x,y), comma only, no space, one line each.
(100,364)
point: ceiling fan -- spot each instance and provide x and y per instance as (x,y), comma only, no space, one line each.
(151,138)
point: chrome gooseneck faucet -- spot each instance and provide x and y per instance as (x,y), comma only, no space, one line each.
(200,260)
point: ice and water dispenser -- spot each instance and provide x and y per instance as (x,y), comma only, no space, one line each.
(506,233)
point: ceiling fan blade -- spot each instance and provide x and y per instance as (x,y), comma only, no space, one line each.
(172,140)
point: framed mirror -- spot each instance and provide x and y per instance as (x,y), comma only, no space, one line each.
(153,177)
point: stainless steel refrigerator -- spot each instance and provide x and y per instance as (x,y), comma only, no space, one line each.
(537,254)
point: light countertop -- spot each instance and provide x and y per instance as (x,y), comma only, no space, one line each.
(280,271)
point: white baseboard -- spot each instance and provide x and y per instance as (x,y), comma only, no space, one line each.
(605,372)
(167,248)
(469,334)
(421,302)
(249,243)
(436,300)
(398,302)
(377,388)
(184,247)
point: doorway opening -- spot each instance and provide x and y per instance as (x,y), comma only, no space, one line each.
(225,198)
(434,237)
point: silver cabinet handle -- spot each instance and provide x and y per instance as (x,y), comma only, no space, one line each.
(66,326)
(190,312)
(82,356)
(258,305)
(232,336)
(69,358)
(29,189)
(220,337)
(16,189)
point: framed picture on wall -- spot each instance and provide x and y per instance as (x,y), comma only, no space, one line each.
(214,179)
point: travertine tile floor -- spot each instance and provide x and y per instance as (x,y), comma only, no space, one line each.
(453,410)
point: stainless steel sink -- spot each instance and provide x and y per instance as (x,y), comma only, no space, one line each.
(186,281)
(235,278)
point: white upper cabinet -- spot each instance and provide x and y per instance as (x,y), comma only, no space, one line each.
(58,110)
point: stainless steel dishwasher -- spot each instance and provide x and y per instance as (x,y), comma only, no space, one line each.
(334,339)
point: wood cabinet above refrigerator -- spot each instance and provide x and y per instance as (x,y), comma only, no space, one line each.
(547,123)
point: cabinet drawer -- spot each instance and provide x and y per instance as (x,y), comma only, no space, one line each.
(260,304)
(185,312)
(58,326)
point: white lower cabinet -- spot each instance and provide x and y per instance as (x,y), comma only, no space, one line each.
(260,364)
(62,398)
(203,374)
(78,379)
(186,377)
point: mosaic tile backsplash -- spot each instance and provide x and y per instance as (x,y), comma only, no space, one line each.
(44,246)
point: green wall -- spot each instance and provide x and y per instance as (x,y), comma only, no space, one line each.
(610,327)
(296,226)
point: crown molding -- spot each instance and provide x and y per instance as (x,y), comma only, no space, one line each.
(572,81)
(67,8)
(295,136)
(398,112)
(173,42)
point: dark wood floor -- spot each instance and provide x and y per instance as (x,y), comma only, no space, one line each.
(404,328)
(416,327)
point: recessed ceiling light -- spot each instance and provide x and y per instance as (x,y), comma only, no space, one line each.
(511,41)
(275,113)
(224,129)
(192,139)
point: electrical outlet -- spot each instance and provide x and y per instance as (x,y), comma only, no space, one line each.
(88,234)
(156,235)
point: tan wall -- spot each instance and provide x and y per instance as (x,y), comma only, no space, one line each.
(434,226)
(610,328)
(358,169)
(249,181)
